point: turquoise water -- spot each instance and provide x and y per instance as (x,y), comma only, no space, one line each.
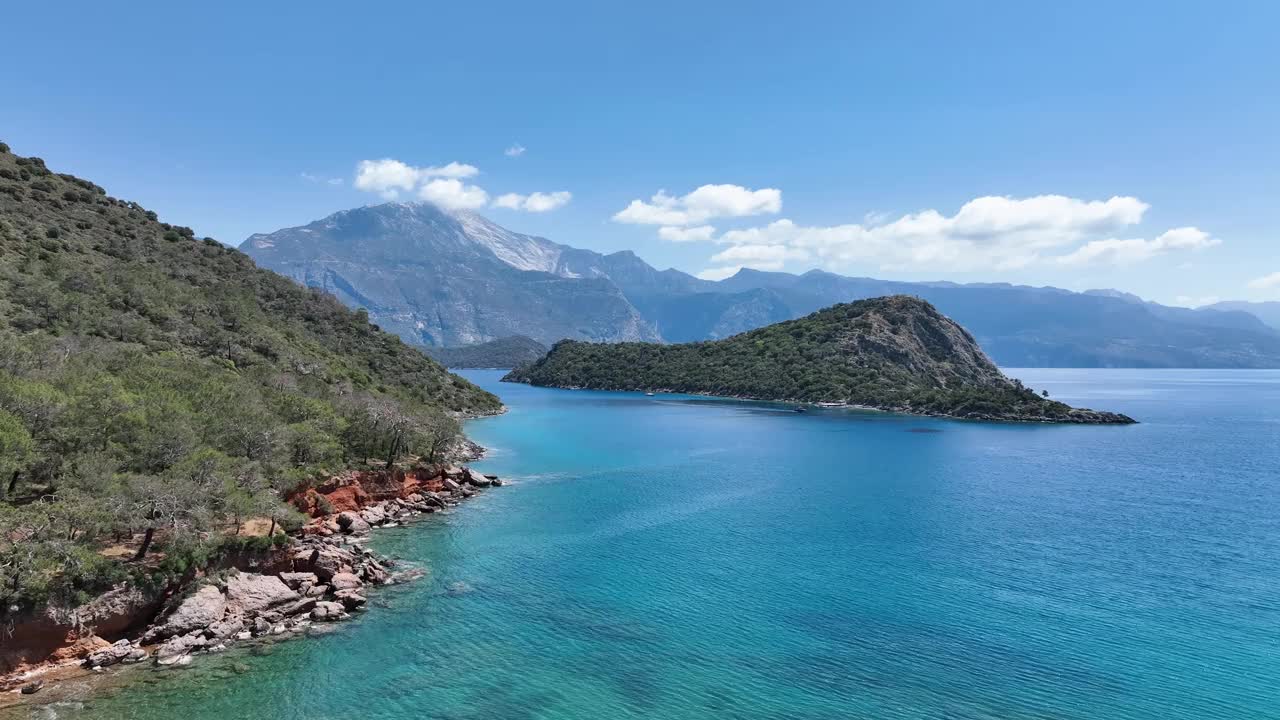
(661,557)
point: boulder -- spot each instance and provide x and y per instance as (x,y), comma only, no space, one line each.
(136,655)
(330,561)
(375,574)
(295,580)
(261,626)
(374,515)
(346,581)
(350,599)
(203,608)
(32,688)
(430,498)
(174,649)
(225,628)
(317,591)
(478,479)
(352,524)
(251,592)
(495,480)
(109,655)
(328,610)
(451,485)
(305,605)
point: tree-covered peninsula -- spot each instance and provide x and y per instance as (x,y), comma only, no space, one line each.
(507,352)
(893,353)
(157,390)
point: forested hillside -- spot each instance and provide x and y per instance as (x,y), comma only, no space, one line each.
(157,389)
(893,353)
(505,352)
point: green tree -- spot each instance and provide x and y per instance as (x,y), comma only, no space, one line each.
(16,448)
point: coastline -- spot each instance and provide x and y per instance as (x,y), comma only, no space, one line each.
(320,576)
(1077,416)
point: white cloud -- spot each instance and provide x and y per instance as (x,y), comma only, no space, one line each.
(705,203)
(1266,282)
(454,169)
(318,179)
(534,202)
(453,194)
(760,257)
(444,186)
(692,234)
(1124,252)
(510,201)
(719,273)
(986,233)
(389,177)
(515,151)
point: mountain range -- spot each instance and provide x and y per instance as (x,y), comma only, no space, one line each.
(442,278)
(1267,312)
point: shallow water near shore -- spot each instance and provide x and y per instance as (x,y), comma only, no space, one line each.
(666,557)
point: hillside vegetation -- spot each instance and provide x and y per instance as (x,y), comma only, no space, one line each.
(894,353)
(157,389)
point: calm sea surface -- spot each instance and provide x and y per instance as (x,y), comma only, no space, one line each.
(667,557)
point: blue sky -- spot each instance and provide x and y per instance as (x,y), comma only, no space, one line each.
(1074,144)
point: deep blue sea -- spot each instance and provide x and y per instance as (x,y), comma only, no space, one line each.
(672,557)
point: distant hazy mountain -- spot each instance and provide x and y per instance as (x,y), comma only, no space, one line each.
(1267,312)
(441,278)
(1023,326)
(508,352)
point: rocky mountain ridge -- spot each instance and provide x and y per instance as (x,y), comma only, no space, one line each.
(444,279)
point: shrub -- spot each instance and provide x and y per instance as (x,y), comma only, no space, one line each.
(324,505)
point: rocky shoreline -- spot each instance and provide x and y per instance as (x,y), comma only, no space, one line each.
(321,576)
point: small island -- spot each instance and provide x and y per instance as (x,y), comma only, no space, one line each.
(895,353)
